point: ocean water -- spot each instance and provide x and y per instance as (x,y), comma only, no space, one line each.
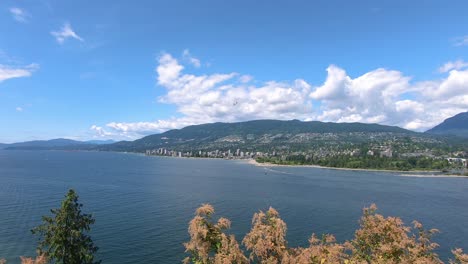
(142,205)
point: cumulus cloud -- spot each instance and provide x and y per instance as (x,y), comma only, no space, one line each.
(10,72)
(453,65)
(218,97)
(455,85)
(389,97)
(64,33)
(379,96)
(370,98)
(19,14)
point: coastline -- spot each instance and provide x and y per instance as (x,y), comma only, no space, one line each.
(413,173)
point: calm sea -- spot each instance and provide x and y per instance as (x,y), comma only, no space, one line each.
(142,204)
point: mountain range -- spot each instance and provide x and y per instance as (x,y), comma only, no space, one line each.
(257,133)
(266,134)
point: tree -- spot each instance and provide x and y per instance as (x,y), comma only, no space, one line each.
(64,237)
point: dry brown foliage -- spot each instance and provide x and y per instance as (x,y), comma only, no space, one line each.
(41,259)
(388,240)
(266,240)
(229,251)
(208,243)
(324,250)
(460,258)
(381,240)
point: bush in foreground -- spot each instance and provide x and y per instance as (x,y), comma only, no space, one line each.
(379,239)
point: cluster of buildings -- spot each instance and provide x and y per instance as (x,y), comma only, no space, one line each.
(237,154)
(459,161)
(381,151)
(388,153)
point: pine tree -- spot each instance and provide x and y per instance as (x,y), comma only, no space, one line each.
(64,238)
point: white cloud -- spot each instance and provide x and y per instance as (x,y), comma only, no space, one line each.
(19,14)
(383,96)
(461,41)
(379,96)
(333,86)
(64,33)
(100,131)
(453,65)
(10,72)
(246,78)
(370,98)
(456,84)
(19,109)
(190,59)
(150,127)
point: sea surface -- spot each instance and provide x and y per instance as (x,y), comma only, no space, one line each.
(142,205)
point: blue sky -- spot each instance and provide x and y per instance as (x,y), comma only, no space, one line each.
(125,69)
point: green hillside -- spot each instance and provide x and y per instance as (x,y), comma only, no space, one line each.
(257,133)
(456,125)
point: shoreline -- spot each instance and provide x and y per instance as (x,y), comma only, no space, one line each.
(253,162)
(413,173)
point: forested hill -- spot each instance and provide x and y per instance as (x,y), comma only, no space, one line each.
(456,125)
(254,133)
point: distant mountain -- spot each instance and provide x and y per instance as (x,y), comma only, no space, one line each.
(100,142)
(45,144)
(456,125)
(59,143)
(258,133)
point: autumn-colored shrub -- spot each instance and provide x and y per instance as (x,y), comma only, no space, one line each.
(387,240)
(266,240)
(460,258)
(323,250)
(41,259)
(381,240)
(208,243)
